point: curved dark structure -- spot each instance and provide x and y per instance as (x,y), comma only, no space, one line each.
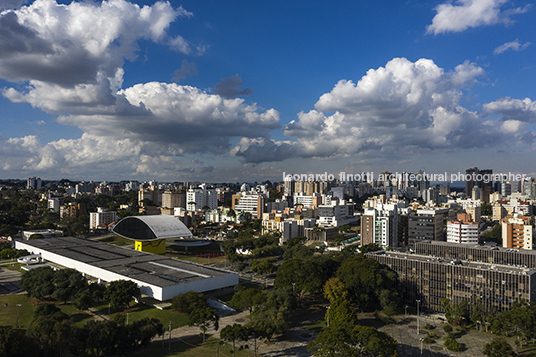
(149,228)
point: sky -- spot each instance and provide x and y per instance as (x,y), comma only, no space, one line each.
(232,91)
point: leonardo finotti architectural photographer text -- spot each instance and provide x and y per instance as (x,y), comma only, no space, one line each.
(405,176)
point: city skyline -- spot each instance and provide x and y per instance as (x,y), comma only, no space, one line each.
(222,92)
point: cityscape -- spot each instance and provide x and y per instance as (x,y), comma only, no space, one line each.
(267,178)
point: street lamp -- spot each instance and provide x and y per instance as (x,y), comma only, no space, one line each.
(170,335)
(18,310)
(418,314)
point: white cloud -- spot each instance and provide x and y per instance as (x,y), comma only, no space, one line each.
(514,46)
(392,110)
(465,14)
(163,119)
(77,43)
(513,109)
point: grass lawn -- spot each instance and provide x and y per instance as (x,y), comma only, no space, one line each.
(15,266)
(526,350)
(8,315)
(317,326)
(139,311)
(117,240)
(194,347)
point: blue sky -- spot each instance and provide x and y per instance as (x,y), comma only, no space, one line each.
(242,91)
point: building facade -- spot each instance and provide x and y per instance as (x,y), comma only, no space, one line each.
(430,279)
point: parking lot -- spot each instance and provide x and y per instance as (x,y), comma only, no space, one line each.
(9,280)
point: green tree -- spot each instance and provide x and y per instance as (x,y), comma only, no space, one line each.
(452,345)
(83,301)
(268,323)
(369,248)
(204,318)
(188,302)
(54,337)
(14,343)
(49,310)
(121,292)
(67,284)
(38,282)
(100,337)
(334,290)
(365,279)
(498,348)
(247,299)
(142,331)
(359,341)
(263,267)
(233,333)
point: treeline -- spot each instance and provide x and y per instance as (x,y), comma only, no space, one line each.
(53,334)
(70,285)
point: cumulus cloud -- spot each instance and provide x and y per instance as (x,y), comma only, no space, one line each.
(71,58)
(514,46)
(187,69)
(11,4)
(182,119)
(402,106)
(230,87)
(76,43)
(258,150)
(464,14)
(513,109)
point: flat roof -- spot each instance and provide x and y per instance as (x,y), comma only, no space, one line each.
(456,262)
(478,246)
(149,268)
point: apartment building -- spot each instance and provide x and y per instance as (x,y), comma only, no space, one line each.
(198,198)
(102,218)
(463,230)
(517,232)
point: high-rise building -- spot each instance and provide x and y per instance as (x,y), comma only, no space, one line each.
(102,218)
(517,232)
(198,198)
(250,203)
(172,199)
(425,224)
(34,183)
(463,230)
(481,179)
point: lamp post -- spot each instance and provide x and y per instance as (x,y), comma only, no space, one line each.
(170,335)
(418,314)
(18,310)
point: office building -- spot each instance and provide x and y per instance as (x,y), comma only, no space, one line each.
(429,279)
